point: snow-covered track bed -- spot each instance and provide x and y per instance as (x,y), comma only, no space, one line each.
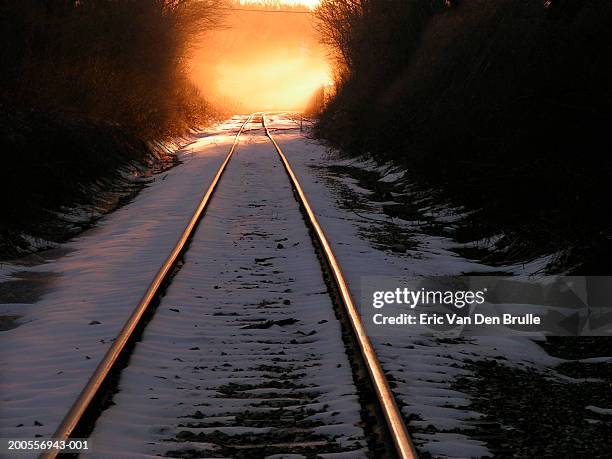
(243,346)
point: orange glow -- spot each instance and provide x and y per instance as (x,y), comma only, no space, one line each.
(281,81)
(262,61)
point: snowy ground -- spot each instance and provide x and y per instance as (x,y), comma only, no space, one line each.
(244,349)
(92,286)
(422,368)
(88,292)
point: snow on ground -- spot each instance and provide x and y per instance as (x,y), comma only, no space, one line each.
(421,367)
(94,289)
(245,346)
(91,290)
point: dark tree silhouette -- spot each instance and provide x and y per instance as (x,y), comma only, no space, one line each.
(503,104)
(120,60)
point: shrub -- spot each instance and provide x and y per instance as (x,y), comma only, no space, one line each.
(117,60)
(503,104)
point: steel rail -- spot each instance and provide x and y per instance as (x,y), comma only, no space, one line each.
(403,445)
(75,415)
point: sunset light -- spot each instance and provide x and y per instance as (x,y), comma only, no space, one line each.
(283,82)
(262,61)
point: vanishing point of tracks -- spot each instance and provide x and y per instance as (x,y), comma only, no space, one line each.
(265,371)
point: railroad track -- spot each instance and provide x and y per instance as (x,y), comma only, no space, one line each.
(265,369)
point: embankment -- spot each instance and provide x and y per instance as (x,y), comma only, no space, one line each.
(504,105)
(60,172)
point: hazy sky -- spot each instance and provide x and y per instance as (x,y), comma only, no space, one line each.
(261,61)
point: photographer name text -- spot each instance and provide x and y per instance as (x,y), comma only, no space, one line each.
(456,319)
